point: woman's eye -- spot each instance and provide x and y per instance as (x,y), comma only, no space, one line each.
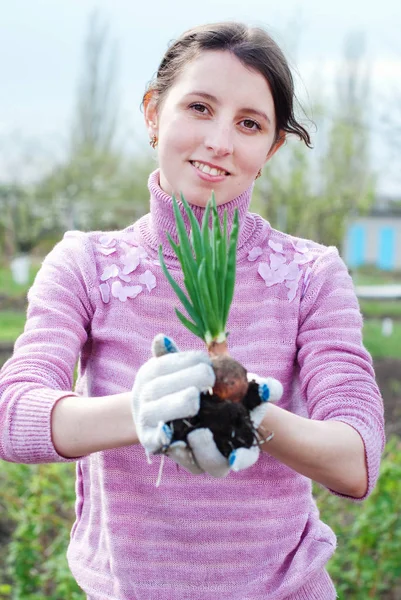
(199,108)
(250,124)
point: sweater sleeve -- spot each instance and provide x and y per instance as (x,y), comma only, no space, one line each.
(41,370)
(336,372)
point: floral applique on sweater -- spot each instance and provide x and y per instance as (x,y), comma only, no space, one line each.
(277,269)
(125,277)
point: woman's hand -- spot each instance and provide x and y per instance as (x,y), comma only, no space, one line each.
(168,387)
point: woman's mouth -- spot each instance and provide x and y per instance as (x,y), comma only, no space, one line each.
(208,170)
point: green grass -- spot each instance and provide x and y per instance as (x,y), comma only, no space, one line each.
(381,308)
(379,345)
(11,325)
(373,276)
(9,288)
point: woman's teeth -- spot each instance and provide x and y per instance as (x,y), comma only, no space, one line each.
(206,169)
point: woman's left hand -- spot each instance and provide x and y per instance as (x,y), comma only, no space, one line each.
(204,449)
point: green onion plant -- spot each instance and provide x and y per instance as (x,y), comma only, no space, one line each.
(207,256)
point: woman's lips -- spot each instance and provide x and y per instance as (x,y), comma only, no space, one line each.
(208,176)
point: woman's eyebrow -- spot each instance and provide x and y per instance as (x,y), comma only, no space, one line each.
(212,98)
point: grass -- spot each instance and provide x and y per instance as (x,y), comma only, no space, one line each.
(11,325)
(381,308)
(379,345)
(374,276)
(9,288)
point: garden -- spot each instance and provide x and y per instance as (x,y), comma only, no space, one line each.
(37,501)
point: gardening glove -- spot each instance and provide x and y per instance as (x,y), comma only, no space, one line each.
(200,453)
(205,450)
(168,387)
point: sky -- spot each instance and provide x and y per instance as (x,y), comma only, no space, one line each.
(41,48)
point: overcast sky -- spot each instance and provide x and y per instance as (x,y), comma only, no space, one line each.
(41,50)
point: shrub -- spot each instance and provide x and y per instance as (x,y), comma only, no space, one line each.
(38,500)
(36,506)
(367,563)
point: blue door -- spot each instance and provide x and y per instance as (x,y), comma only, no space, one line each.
(386,248)
(356,246)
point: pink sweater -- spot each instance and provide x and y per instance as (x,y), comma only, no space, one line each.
(253,535)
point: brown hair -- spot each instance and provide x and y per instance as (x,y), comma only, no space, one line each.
(253,47)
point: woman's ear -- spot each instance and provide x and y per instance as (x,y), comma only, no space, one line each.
(276,145)
(150,113)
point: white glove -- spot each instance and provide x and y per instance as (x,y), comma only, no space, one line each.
(161,394)
(168,387)
(205,450)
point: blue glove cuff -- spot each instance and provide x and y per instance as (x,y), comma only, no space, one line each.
(264,392)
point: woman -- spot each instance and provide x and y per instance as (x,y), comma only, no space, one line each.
(220,106)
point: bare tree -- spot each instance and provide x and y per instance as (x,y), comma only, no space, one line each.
(96,119)
(312,194)
(24,216)
(94,187)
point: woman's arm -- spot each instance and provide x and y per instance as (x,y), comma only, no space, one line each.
(82,425)
(340,443)
(329,452)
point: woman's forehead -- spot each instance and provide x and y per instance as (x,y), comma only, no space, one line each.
(222,75)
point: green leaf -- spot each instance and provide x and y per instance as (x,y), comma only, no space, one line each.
(212,284)
(190,277)
(225,231)
(175,247)
(206,243)
(222,262)
(231,267)
(216,220)
(205,229)
(195,230)
(189,325)
(183,237)
(184,300)
(216,232)
(210,315)
(210,269)
(208,258)
(188,264)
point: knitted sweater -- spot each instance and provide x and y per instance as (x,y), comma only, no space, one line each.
(253,535)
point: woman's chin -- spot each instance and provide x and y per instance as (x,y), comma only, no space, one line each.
(195,198)
(196,192)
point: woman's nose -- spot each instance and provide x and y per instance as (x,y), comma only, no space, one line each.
(220,140)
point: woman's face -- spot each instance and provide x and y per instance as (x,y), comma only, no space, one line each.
(215,129)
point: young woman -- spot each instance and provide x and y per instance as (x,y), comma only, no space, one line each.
(220,106)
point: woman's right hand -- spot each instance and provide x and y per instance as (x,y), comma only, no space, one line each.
(168,387)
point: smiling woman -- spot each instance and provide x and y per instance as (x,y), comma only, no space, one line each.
(209,137)
(230,526)
(223,102)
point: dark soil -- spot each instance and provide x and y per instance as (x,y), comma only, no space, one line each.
(388,375)
(6,349)
(14,303)
(229,421)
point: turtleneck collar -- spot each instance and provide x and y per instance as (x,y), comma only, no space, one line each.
(160,220)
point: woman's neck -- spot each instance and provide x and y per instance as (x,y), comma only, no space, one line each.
(161,218)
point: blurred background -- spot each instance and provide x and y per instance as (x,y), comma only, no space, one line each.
(74,154)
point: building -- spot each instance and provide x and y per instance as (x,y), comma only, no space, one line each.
(375,239)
